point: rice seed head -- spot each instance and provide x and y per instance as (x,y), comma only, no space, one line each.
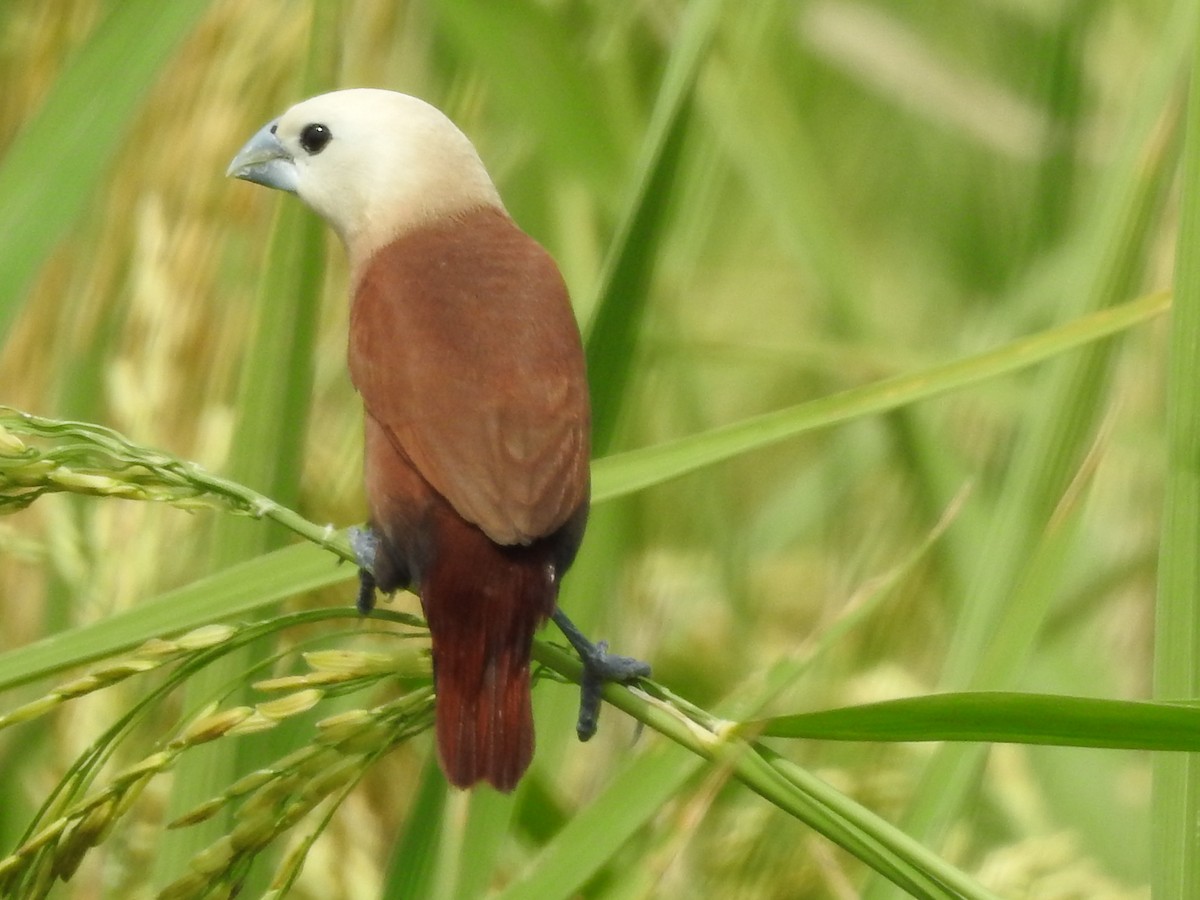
(212,725)
(201,813)
(214,858)
(31,710)
(205,637)
(291,705)
(355,662)
(253,832)
(10,444)
(193,884)
(336,729)
(151,765)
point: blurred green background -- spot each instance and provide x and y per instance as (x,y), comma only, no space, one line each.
(755,205)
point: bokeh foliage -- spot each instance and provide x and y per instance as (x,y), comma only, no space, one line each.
(761,208)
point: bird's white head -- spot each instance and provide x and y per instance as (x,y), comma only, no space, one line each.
(373,163)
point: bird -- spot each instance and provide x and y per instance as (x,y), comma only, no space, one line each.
(467,356)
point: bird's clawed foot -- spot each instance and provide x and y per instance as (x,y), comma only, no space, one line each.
(599,666)
(365,543)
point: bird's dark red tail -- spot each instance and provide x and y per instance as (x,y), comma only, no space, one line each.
(483,602)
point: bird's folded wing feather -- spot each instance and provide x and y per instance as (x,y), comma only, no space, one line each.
(467,353)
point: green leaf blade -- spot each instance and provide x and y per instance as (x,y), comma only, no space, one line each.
(1003,716)
(56,162)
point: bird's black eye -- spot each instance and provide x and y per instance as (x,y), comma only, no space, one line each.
(314,138)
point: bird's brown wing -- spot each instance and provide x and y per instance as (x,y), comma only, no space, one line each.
(465,350)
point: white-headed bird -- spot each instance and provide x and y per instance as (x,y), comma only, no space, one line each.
(468,359)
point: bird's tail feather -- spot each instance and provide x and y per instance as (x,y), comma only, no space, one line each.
(484,602)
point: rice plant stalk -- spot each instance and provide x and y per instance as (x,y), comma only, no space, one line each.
(1176,793)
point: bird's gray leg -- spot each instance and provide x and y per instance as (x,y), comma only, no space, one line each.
(365,544)
(599,666)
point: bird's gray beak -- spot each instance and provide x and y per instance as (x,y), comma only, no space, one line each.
(265,161)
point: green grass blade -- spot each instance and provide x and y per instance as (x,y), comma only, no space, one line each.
(592,837)
(235,591)
(488,823)
(907,863)
(410,874)
(888,850)
(1009,717)
(1176,793)
(751,96)
(612,333)
(1070,402)
(532,64)
(624,473)
(57,160)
